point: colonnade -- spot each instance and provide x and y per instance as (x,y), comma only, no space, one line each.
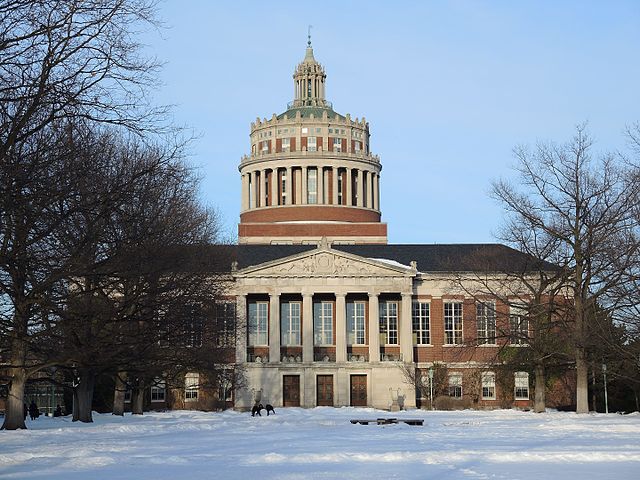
(260,188)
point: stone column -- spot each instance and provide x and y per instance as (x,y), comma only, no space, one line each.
(341,328)
(263,188)
(252,186)
(374,328)
(307,327)
(289,187)
(369,190)
(377,192)
(406,329)
(320,185)
(241,333)
(347,188)
(334,175)
(360,188)
(274,187)
(244,192)
(274,328)
(305,195)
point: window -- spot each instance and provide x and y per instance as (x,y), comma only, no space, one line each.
(357,146)
(264,146)
(455,385)
(453,323)
(420,319)
(389,321)
(194,332)
(521,386)
(311,144)
(158,390)
(290,323)
(488,386)
(286,144)
(337,144)
(305,130)
(225,320)
(519,328)
(356,323)
(258,323)
(191,385)
(312,186)
(341,174)
(323,323)
(283,187)
(486,320)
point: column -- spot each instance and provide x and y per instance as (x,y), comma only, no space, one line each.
(406,329)
(263,188)
(341,328)
(289,186)
(360,188)
(369,190)
(252,187)
(244,192)
(377,192)
(274,186)
(334,175)
(241,333)
(374,328)
(347,188)
(274,328)
(307,327)
(304,184)
(320,186)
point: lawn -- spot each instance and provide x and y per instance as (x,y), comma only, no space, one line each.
(321,443)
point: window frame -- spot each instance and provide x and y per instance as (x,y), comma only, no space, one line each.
(486,323)
(454,334)
(357,322)
(488,382)
(262,307)
(312,180)
(312,146)
(158,387)
(517,320)
(191,386)
(455,387)
(291,321)
(518,385)
(323,323)
(389,321)
(418,321)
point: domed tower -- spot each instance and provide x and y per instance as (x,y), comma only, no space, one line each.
(310,173)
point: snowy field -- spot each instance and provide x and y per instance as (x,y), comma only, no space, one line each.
(320,443)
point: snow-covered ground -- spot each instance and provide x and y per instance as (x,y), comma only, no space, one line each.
(321,443)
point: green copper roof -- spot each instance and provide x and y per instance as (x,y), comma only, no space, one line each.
(305,112)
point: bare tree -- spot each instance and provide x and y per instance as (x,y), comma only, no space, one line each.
(584,206)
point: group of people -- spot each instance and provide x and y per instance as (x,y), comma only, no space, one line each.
(34,412)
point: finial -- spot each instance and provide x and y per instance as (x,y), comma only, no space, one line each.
(309,36)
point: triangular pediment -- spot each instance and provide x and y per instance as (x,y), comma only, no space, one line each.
(324,262)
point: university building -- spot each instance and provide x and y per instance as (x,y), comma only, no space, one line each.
(330,313)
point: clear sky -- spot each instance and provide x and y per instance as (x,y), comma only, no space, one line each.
(448,88)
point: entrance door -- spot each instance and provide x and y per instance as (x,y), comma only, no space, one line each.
(358,390)
(324,389)
(291,391)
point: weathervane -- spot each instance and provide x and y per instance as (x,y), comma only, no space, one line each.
(309,35)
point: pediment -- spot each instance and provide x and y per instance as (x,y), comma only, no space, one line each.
(325,262)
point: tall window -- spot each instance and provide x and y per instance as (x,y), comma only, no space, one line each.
(486,320)
(194,332)
(323,323)
(290,323)
(341,174)
(455,385)
(337,144)
(420,320)
(357,146)
(158,390)
(286,144)
(312,144)
(283,187)
(453,323)
(521,386)
(356,323)
(258,323)
(519,328)
(191,386)
(312,186)
(389,321)
(225,320)
(488,386)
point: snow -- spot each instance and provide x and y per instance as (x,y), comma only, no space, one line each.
(393,263)
(321,443)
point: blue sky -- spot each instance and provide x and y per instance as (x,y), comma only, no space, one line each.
(449,88)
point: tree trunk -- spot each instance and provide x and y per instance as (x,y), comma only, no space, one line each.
(539,402)
(582,382)
(14,416)
(118,394)
(137,398)
(594,407)
(83,396)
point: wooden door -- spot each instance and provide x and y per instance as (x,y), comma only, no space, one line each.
(291,391)
(324,390)
(358,390)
